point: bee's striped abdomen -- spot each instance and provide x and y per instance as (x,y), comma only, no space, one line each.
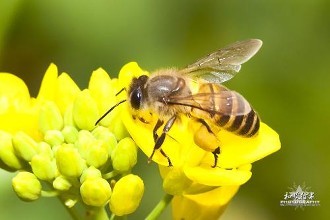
(229,110)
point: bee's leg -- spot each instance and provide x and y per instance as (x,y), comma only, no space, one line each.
(157,126)
(143,120)
(215,152)
(167,157)
(160,140)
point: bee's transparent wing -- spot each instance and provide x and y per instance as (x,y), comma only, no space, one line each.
(221,103)
(223,64)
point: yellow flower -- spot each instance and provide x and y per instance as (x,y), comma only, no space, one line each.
(192,179)
(54,136)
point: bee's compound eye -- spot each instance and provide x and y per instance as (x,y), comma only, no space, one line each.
(136,98)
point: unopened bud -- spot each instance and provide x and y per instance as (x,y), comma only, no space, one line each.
(66,91)
(62,183)
(54,137)
(95,191)
(70,134)
(124,156)
(104,134)
(90,173)
(68,117)
(126,195)
(97,154)
(7,153)
(50,117)
(118,128)
(69,161)
(44,167)
(85,139)
(45,149)
(25,147)
(26,186)
(85,111)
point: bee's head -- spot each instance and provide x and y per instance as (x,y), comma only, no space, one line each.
(137,91)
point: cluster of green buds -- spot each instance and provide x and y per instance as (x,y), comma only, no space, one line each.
(59,151)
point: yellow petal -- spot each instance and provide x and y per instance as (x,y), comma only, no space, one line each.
(128,72)
(178,145)
(209,205)
(209,176)
(237,151)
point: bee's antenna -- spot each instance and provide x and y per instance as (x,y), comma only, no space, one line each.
(112,108)
(120,91)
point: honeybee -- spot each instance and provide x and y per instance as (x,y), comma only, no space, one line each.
(170,94)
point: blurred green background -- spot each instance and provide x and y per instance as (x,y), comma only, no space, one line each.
(288,81)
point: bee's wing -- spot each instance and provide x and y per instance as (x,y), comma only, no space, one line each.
(223,64)
(223,103)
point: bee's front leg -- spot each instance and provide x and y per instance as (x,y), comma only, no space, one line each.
(159,140)
(157,126)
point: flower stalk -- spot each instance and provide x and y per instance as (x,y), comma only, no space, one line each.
(159,208)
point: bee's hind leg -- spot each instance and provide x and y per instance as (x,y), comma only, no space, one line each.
(210,143)
(159,140)
(216,153)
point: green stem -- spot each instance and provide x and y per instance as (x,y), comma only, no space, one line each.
(49,193)
(159,208)
(112,217)
(97,213)
(110,174)
(72,210)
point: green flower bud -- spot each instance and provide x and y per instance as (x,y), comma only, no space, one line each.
(124,156)
(50,117)
(126,195)
(104,134)
(45,149)
(26,186)
(44,167)
(95,191)
(85,111)
(90,172)
(68,116)
(118,128)
(25,147)
(62,183)
(97,154)
(7,153)
(69,161)
(85,139)
(54,137)
(70,134)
